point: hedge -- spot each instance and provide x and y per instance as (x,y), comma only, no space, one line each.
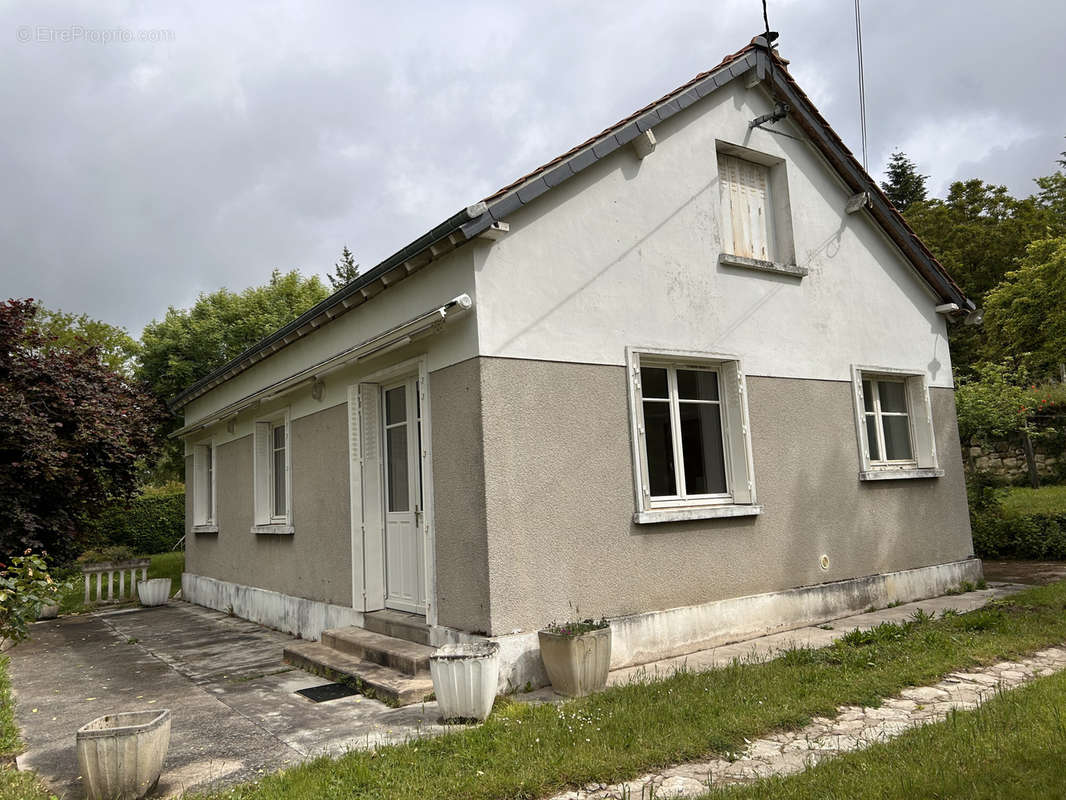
(1036,536)
(152,523)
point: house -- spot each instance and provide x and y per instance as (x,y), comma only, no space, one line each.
(691,375)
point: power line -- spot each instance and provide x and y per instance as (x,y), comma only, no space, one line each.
(862,83)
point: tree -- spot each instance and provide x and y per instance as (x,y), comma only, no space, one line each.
(344,271)
(978,233)
(188,343)
(904,185)
(1025,315)
(74,435)
(116,348)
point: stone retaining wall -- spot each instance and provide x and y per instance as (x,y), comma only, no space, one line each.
(1007,461)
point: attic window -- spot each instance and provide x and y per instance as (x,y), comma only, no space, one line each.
(756,219)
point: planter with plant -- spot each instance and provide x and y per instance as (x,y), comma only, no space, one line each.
(577,656)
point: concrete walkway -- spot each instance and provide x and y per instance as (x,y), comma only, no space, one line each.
(235,712)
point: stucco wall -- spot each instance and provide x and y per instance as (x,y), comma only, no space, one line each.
(561,540)
(626,252)
(459,498)
(314,562)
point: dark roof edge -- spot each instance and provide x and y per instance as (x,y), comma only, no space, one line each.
(454,224)
(849,168)
(471,221)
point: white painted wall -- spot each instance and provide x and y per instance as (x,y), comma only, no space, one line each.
(626,253)
(431,287)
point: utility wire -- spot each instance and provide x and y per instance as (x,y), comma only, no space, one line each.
(862,82)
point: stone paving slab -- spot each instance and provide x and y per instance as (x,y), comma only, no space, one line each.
(853,728)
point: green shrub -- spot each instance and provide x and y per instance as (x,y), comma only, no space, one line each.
(1034,536)
(152,523)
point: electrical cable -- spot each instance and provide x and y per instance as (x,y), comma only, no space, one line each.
(862,83)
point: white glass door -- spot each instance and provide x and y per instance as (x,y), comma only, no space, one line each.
(404,542)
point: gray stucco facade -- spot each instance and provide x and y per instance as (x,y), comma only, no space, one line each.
(559,499)
(313,563)
(534,503)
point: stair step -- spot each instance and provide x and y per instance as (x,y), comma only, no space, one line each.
(398,624)
(399,654)
(374,680)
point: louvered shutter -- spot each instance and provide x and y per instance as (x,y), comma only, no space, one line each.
(921,419)
(746,205)
(372,495)
(736,430)
(261,472)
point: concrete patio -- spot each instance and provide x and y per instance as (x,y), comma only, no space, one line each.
(236,716)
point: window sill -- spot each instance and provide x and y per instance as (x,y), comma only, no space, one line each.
(701,512)
(205,528)
(793,270)
(899,474)
(274,529)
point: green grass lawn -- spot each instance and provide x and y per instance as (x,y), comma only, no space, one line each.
(164,565)
(1014,747)
(528,751)
(1019,501)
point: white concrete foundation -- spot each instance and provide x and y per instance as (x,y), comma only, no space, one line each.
(638,638)
(297,616)
(642,638)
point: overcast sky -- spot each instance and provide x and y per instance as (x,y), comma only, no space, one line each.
(244,136)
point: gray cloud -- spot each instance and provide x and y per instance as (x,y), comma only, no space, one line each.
(138,174)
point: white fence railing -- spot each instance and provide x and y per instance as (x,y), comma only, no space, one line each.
(111,569)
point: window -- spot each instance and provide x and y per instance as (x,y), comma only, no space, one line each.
(278,472)
(272,475)
(894,421)
(691,455)
(746,194)
(203,488)
(756,221)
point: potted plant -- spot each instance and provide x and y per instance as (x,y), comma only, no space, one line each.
(577,656)
(154,591)
(121,755)
(465,677)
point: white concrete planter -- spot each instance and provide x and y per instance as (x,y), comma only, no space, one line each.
(576,665)
(49,612)
(465,678)
(121,755)
(154,592)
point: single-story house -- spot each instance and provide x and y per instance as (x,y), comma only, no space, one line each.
(691,375)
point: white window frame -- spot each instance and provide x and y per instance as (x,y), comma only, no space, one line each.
(923,462)
(264,518)
(777,213)
(740,498)
(205,484)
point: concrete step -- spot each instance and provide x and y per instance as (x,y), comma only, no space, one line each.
(374,680)
(399,654)
(398,624)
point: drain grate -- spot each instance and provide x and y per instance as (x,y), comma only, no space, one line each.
(327,691)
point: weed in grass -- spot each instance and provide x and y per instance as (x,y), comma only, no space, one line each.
(826,627)
(982,584)
(132,640)
(894,604)
(920,617)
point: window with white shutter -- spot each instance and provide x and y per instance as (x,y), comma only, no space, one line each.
(203,488)
(756,224)
(692,454)
(894,424)
(271,474)
(746,207)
